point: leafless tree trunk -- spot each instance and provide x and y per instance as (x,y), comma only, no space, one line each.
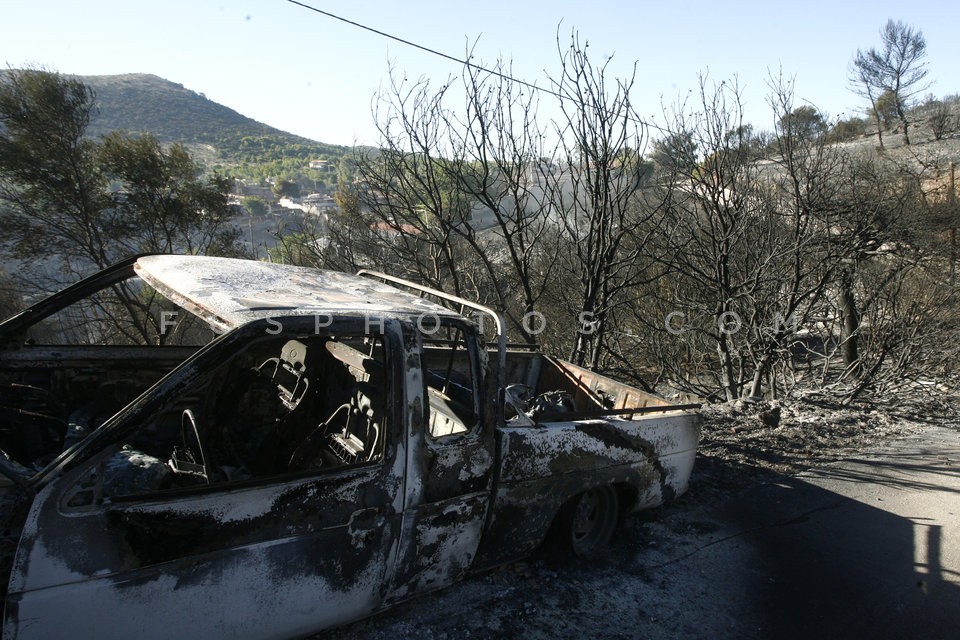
(452,195)
(605,216)
(864,84)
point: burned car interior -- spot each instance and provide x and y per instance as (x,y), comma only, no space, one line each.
(280,406)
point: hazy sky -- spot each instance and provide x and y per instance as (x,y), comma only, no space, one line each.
(314,76)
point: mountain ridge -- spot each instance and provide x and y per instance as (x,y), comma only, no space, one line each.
(148,103)
(145,102)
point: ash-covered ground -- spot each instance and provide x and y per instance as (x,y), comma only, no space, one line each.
(651,582)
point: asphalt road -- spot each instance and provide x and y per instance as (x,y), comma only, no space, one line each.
(866,548)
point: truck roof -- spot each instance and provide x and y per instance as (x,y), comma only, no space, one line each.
(229,292)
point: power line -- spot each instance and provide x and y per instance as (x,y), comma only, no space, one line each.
(428,49)
(465,62)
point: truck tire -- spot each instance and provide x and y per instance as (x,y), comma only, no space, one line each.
(587,521)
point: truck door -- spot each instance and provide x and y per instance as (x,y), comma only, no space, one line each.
(241,547)
(450,459)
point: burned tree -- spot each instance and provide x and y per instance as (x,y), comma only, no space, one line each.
(716,226)
(457,195)
(470,199)
(751,243)
(605,213)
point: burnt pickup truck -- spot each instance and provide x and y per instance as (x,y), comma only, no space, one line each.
(318,446)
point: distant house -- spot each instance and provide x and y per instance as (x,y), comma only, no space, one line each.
(288,203)
(252,188)
(318,203)
(318,164)
(387,229)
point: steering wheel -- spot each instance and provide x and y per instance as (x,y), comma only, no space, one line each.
(190,459)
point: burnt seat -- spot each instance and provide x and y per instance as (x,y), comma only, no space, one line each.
(356,442)
(266,409)
(288,372)
(353,433)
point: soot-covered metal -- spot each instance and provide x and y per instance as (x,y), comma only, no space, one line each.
(317,458)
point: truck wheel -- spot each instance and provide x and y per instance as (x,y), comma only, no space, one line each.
(589,519)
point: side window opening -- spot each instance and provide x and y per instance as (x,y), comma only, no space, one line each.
(450,372)
(283,405)
(70,371)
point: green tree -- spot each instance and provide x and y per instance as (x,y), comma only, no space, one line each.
(845,130)
(286,188)
(256,206)
(803,121)
(675,153)
(56,195)
(346,196)
(92,203)
(164,202)
(885,109)
(98,202)
(897,67)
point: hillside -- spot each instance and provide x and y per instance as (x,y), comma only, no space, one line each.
(147,103)
(144,102)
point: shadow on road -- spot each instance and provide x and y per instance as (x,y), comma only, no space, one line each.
(854,551)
